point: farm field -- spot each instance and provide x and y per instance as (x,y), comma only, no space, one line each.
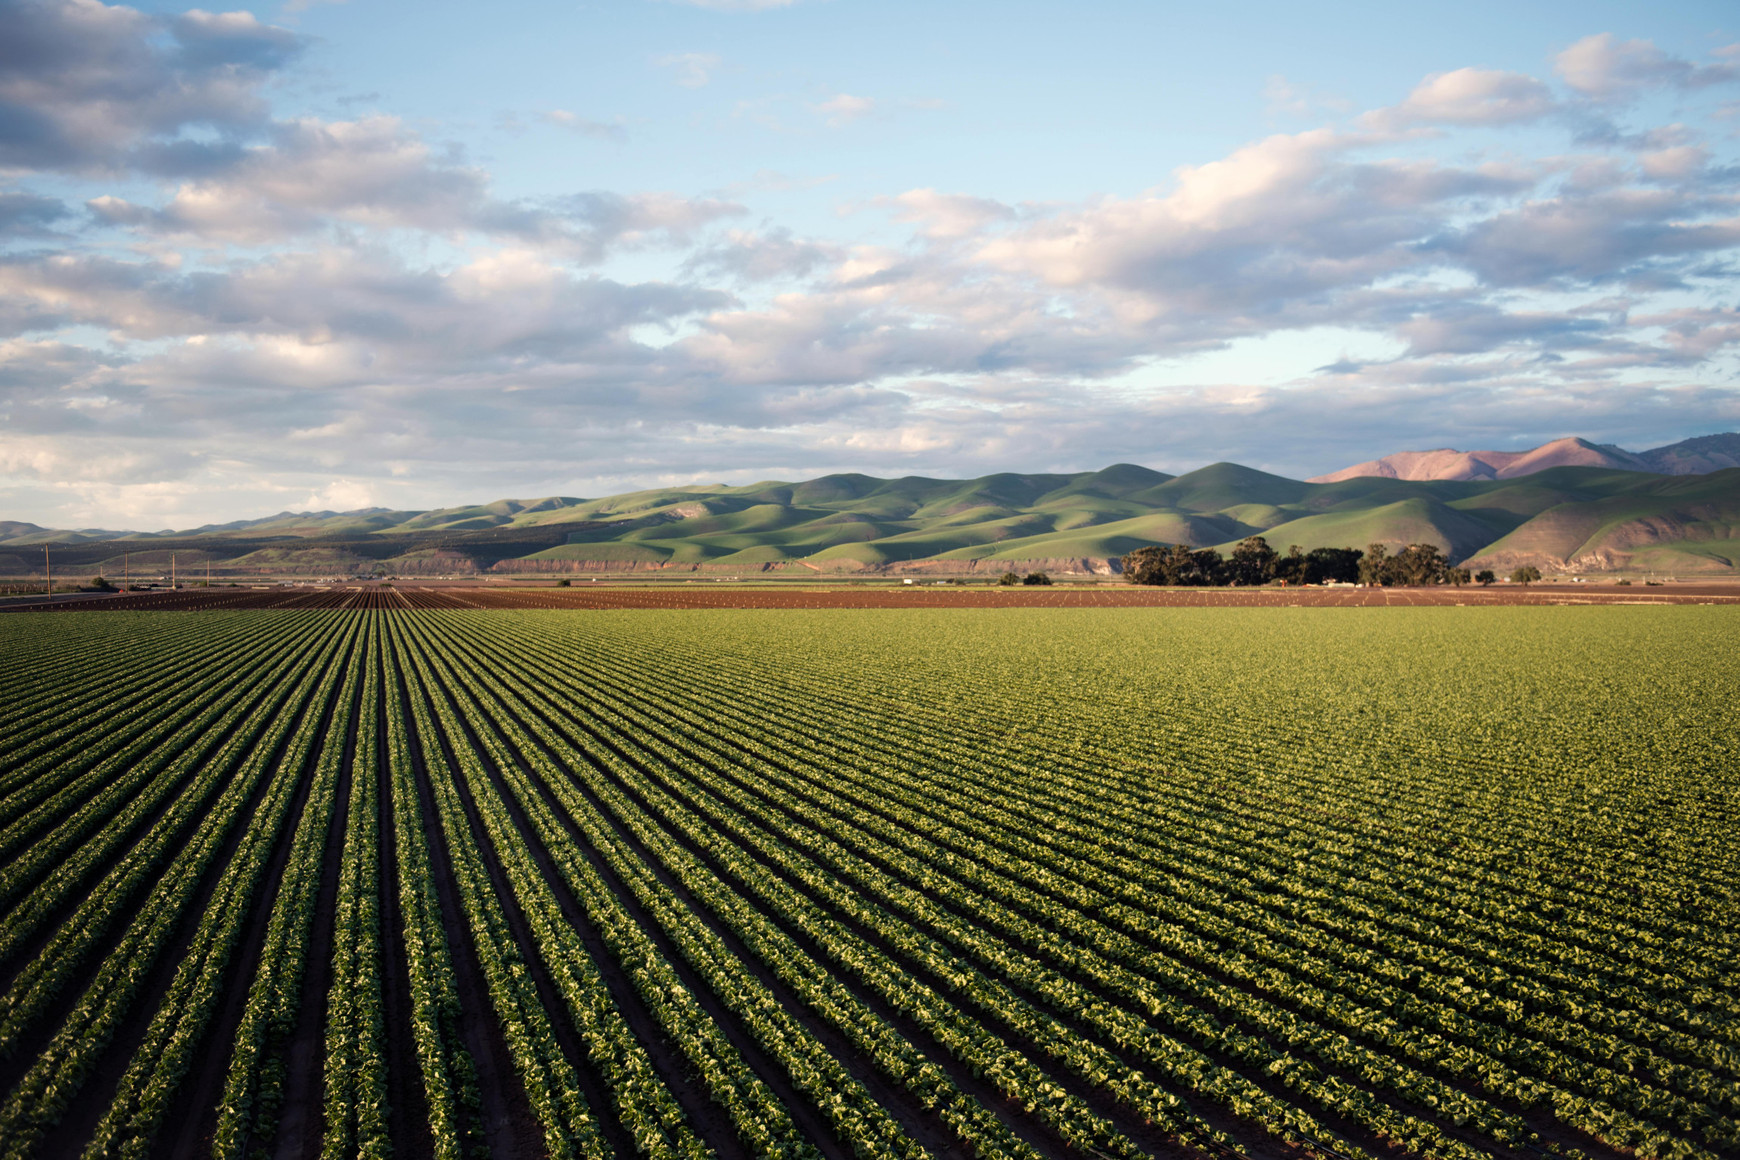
(1030,882)
(719,595)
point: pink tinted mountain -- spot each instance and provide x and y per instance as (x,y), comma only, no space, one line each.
(1697,456)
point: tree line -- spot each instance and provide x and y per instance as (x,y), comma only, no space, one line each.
(1254,562)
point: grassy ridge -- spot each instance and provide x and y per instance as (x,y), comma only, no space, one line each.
(1577,516)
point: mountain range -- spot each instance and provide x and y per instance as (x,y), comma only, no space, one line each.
(1697,456)
(1561,518)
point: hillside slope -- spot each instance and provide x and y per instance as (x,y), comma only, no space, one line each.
(1690,457)
(1571,517)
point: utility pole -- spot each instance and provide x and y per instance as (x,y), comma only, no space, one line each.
(47,576)
(126,569)
(172,571)
(208,572)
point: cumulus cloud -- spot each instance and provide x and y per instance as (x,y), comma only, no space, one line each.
(373,171)
(376,173)
(1607,68)
(28,214)
(271,333)
(947,215)
(85,87)
(753,256)
(1470,96)
(1615,236)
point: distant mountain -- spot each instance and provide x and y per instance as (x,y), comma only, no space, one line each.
(1589,517)
(1698,456)
(1691,457)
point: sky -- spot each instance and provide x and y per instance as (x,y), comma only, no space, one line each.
(312,255)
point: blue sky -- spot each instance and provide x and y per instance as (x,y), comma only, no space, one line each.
(325,255)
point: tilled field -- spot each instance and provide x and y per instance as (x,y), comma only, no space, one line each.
(953,884)
(705,595)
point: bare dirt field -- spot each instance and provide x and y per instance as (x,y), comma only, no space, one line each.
(699,596)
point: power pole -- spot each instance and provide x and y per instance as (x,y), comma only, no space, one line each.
(126,569)
(208,572)
(172,571)
(47,576)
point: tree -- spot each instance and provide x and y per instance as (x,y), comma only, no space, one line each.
(1143,565)
(1036,578)
(1419,564)
(564,583)
(1008,579)
(1178,565)
(1338,565)
(1252,562)
(1484,577)
(1290,569)
(1458,576)
(1413,565)
(1525,575)
(1197,568)
(1374,569)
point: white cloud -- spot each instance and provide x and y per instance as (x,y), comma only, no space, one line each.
(692,70)
(1605,67)
(86,87)
(341,495)
(1470,96)
(844,108)
(585,126)
(947,215)
(271,333)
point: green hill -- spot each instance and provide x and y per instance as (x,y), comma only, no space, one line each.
(1564,518)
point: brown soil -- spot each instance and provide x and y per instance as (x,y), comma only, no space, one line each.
(709,594)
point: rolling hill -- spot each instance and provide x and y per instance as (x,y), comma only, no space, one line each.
(1559,518)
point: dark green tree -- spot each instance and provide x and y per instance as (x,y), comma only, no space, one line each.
(1143,565)
(1338,565)
(1036,578)
(1375,568)
(1009,579)
(1484,577)
(1525,575)
(1290,569)
(1252,562)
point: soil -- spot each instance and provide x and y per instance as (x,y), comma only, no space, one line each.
(722,594)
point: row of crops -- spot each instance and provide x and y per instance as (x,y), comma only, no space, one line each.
(1455,883)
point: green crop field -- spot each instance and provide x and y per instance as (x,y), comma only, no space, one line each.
(1273,883)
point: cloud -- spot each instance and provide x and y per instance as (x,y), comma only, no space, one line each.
(270,332)
(376,173)
(1470,96)
(947,215)
(84,86)
(611,220)
(372,171)
(603,130)
(844,108)
(1607,68)
(750,256)
(692,70)
(1606,237)
(27,214)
